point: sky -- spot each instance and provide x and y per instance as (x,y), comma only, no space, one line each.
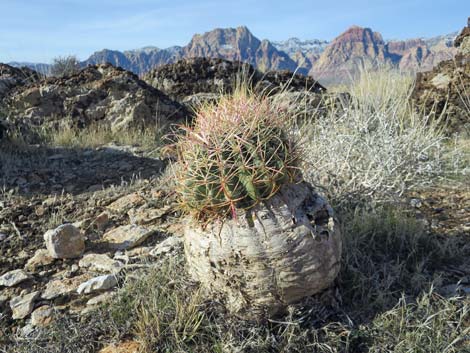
(39,30)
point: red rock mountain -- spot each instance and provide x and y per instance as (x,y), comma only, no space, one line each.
(361,46)
(329,62)
(235,44)
(354,47)
(238,44)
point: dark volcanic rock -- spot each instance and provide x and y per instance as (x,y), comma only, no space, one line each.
(463,39)
(203,75)
(198,75)
(445,90)
(98,94)
(11,77)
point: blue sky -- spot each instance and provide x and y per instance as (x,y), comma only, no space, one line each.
(38,30)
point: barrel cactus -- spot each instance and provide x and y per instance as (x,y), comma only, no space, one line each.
(257,236)
(237,154)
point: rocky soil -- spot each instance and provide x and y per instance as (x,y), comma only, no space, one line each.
(67,251)
(113,227)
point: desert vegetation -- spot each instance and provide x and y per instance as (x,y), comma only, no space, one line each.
(65,66)
(401,286)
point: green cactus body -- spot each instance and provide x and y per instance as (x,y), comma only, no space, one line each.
(237,154)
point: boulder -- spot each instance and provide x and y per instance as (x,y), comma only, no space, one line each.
(186,78)
(65,242)
(11,77)
(463,40)
(100,94)
(443,92)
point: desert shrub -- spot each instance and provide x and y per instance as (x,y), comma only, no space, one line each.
(238,153)
(377,145)
(65,66)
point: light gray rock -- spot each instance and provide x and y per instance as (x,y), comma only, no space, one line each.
(416,203)
(22,306)
(166,246)
(40,258)
(126,237)
(97,284)
(65,242)
(27,331)
(14,277)
(100,299)
(61,287)
(100,263)
(42,316)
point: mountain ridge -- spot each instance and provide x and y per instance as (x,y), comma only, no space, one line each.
(317,57)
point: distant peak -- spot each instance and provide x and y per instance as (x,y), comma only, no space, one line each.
(359,34)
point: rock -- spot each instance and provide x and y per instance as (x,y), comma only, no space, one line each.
(42,316)
(416,203)
(27,330)
(22,306)
(99,94)
(123,347)
(100,222)
(65,242)
(14,277)
(100,299)
(100,263)
(3,236)
(61,287)
(40,258)
(126,237)
(441,92)
(166,246)
(206,77)
(139,252)
(194,101)
(143,215)
(463,39)
(11,77)
(96,284)
(125,203)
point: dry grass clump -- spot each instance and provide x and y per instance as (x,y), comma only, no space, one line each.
(375,146)
(99,135)
(149,138)
(238,153)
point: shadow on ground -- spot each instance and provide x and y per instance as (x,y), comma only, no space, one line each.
(44,170)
